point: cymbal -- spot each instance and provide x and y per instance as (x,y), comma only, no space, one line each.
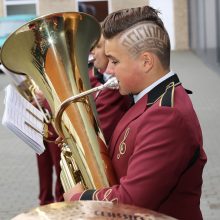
(86,210)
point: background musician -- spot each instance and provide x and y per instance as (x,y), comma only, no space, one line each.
(156,148)
(48,162)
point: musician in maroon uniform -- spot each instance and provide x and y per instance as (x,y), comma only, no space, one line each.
(156,148)
(47,161)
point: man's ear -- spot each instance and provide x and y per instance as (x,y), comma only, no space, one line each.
(148,61)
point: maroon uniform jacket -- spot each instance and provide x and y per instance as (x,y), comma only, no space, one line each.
(157,153)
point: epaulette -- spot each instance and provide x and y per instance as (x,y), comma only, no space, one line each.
(188,91)
(164,92)
(167,98)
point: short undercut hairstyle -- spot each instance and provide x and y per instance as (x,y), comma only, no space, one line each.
(142,30)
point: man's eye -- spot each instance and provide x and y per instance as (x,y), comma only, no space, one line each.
(114,62)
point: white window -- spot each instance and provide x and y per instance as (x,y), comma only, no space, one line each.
(20,7)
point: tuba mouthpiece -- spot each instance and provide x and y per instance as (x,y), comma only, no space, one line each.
(112,83)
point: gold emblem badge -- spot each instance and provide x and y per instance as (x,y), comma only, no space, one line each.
(122,145)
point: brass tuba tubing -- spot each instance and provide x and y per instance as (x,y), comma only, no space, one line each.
(112,83)
(70,174)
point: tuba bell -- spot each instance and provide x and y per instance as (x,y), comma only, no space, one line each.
(55,50)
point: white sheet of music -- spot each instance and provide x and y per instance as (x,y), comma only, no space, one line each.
(22,118)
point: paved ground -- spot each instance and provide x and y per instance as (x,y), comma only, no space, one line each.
(19,178)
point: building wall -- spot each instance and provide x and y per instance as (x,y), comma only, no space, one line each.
(174,14)
(204,31)
(120,4)
(167,15)
(181,30)
(175,17)
(1,7)
(48,6)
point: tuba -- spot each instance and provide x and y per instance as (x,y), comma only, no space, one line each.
(53,50)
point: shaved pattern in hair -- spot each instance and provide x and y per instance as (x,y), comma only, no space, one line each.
(145,37)
(151,37)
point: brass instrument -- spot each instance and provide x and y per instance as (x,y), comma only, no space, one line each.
(55,51)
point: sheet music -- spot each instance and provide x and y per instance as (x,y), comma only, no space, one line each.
(22,118)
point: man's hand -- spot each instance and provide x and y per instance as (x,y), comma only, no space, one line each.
(69,195)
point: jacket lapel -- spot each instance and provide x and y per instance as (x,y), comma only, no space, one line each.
(141,106)
(134,112)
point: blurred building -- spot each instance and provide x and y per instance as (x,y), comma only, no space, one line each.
(192,24)
(204,30)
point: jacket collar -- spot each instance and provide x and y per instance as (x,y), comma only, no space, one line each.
(159,90)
